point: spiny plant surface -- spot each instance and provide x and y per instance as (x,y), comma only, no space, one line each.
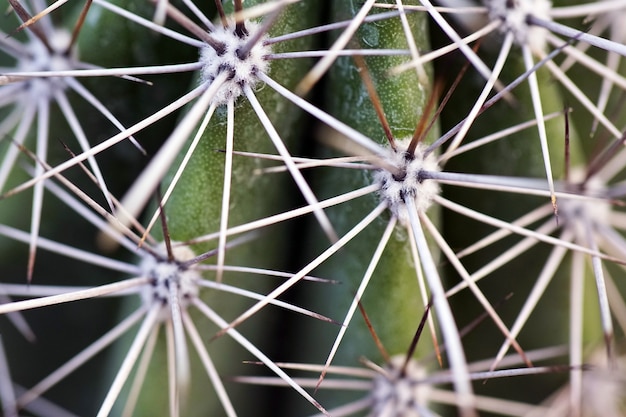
(403,219)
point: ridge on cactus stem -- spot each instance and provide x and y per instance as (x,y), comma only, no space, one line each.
(413,189)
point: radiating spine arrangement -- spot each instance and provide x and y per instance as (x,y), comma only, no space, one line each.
(300,207)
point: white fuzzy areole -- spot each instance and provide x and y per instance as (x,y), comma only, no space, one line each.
(167,274)
(576,212)
(41,59)
(243,71)
(399,395)
(394,191)
(513,14)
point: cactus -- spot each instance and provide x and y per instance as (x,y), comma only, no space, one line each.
(258,190)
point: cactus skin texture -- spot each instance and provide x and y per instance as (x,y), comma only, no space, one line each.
(392,299)
(195,208)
